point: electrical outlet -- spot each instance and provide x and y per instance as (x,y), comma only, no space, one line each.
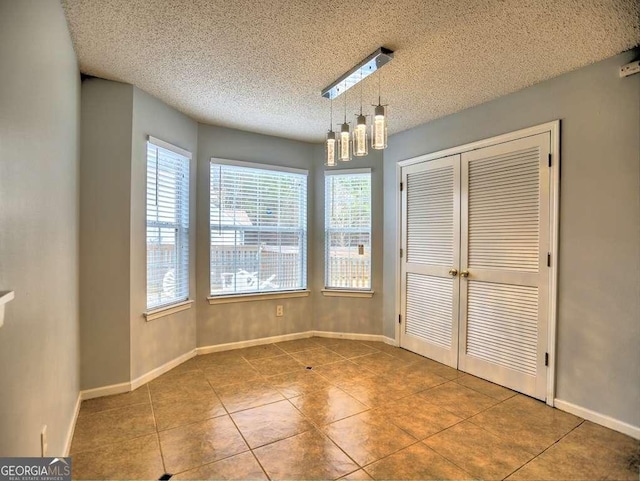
(630,69)
(44,443)
(279,311)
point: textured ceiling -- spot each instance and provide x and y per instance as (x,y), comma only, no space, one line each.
(260,65)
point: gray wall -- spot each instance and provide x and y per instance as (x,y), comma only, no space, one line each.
(39,130)
(105,184)
(347,314)
(598,365)
(223,323)
(159,341)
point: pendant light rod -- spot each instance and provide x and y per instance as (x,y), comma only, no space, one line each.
(362,70)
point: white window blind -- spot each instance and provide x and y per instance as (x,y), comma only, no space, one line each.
(167,224)
(258,220)
(348,229)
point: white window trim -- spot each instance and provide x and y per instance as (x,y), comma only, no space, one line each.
(167,146)
(167,310)
(336,291)
(228,299)
(177,305)
(259,296)
(257,165)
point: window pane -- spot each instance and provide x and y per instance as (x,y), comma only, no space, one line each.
(348,231)
(258,222)
(167,227)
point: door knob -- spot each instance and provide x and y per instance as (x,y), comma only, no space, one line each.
(464,274)
(453,272)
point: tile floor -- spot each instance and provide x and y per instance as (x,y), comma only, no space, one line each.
(365,410)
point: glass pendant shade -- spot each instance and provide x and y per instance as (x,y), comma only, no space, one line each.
(330,150)
(344,146)
(379,129)
(360,145)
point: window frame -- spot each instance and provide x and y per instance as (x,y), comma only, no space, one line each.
(182,226)
(245,296)
(336,291)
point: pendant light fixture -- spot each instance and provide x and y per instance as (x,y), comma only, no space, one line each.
(330,144)
(360,144)
(341,143)
(344,145)
(379,125)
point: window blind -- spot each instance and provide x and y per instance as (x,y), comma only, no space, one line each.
(167,225)
(258,229)
(348,229)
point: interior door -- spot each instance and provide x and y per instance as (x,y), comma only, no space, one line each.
(431,253)
(504,283)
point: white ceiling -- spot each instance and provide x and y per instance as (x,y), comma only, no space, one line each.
(260,65)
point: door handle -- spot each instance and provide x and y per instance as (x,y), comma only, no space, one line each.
(453,272)
(464,274)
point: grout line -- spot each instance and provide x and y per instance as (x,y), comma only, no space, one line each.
(155,423)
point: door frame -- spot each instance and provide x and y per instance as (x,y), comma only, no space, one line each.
(553,128)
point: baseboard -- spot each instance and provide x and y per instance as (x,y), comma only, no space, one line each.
(105,391)
(72,426)
(349,335)
(253,342)
(602,419)
(390,340)
(159,371)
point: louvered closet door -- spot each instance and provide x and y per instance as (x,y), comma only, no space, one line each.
(431,245)
(505,240)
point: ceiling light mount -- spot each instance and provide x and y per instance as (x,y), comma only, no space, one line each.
(362,70)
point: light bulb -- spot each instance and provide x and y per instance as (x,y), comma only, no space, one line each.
(344,147)
(379,129)
(331,149)
(360,147)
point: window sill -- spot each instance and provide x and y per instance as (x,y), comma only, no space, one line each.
(346,293)
(167,310)
(227,299)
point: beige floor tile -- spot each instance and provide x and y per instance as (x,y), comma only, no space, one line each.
(139,396)
(351,350)
(310,455)
(246,395)
(416,462)
(221,358)
(359,475)
(375,391)
(297,383)
(223,375)
(239,467)
(137,458)
(527,423)
(477,451)
(177,385)
(94,430)
(457,399)
(260,352)
(403,354)
(343,371)
(298,345)
(317,357)
(272,366)
(589,450)
(266,424)
(367,437)
(414,378)
(380,363)
(178,411)
(189,365)
(437,368)
(327,406)
(418,417)
(485,387)
(190,446)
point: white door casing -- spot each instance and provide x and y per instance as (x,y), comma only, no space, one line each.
(506,305)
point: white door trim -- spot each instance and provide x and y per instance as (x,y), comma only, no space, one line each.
(554,221)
